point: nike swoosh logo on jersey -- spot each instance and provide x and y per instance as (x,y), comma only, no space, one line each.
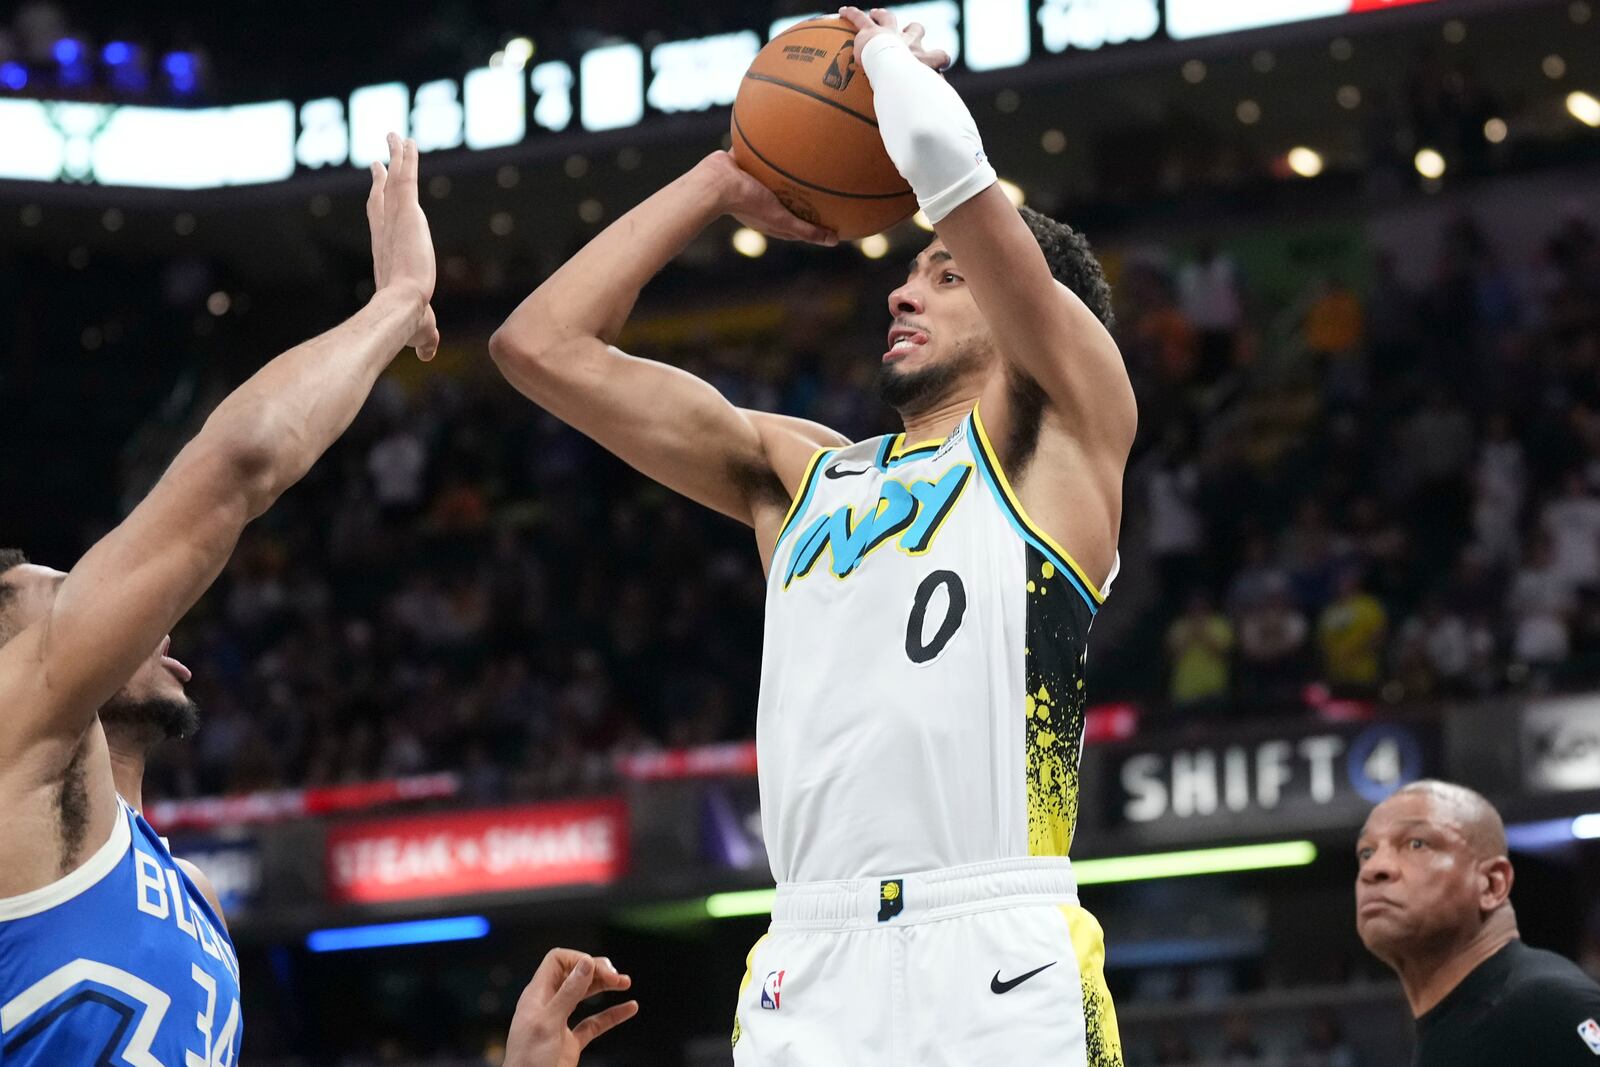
(840,472)
(997,986)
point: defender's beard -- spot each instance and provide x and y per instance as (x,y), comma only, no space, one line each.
(156,719)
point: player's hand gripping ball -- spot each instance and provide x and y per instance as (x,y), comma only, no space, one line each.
(804,126)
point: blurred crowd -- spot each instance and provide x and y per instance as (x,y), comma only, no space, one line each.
(1392,492)
(1375,492)
(1348,486)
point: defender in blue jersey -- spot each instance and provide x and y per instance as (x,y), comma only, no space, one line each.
(110,955)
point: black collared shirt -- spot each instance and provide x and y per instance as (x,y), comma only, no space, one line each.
(1521,1006)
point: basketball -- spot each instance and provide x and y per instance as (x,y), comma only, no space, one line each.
(804,126)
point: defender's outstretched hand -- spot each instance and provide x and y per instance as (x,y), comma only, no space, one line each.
(740,195)
(879,22)
(540,1036)
(402,246)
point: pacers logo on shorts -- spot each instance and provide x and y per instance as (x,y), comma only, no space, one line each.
(772,991)
(1589,1030)
(891,899)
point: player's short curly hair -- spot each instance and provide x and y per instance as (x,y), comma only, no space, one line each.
(9,558)
(1072,262)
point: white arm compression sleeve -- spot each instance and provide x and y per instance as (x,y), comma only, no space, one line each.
(927,130)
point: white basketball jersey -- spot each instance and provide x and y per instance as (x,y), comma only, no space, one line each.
(922,679)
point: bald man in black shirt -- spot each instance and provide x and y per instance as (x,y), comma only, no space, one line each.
(1433,901)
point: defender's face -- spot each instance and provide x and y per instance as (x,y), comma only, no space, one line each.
(1418,880)
(936,320)
(159,677)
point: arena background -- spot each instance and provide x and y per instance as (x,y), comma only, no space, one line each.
(474,669)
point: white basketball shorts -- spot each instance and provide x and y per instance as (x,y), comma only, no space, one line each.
(992,963)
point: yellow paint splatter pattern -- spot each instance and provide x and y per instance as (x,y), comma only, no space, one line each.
(1058,631)
(1103,1041)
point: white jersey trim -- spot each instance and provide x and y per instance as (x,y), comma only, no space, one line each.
(86,877)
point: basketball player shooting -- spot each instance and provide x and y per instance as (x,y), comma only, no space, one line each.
(108,951)
(929,599)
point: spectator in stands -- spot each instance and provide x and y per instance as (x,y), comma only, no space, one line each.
(1433,455)
(1393,325)
(1435,649)
(1501,485)
(1382,548)
(1433,901)
(1333,335)
(1199,647)
(1256,577)
(1541,603)
(1177,534)
(397,463)
(1208,293)
(1272,649)
(1315,555)
(1351,633)
(1161,339)
(1572,522)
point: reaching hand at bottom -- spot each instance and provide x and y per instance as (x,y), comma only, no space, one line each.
(540,1036)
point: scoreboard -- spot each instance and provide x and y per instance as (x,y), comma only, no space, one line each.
(613,86)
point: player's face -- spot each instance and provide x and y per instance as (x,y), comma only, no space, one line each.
(1418,881)
(160,678)
(937,332)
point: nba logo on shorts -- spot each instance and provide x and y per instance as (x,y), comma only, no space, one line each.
(1589,1030)
(772,990)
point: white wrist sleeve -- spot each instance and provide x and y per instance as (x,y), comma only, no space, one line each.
(927,130)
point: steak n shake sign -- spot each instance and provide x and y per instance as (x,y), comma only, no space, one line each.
(467,853)
(1282,782)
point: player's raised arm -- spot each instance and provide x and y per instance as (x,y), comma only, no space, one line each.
(122,597)
(557,348)
(1040,326)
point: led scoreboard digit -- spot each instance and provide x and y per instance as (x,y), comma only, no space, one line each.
(616,85)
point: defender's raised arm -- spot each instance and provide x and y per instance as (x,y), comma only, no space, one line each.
(76,639)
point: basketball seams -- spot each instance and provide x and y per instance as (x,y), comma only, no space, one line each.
(811,93)
(738,129)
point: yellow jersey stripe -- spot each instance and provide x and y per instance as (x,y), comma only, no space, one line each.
(1103,1041)
(1022,515)
(744,984)
(808,482)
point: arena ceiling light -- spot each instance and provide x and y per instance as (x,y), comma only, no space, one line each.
(1585,108)
(1306,162)
(921,219)
(1430,164)
(1586,827)
(748,242)
(874,247)
(1013,192)
(517,53)
(385,935)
